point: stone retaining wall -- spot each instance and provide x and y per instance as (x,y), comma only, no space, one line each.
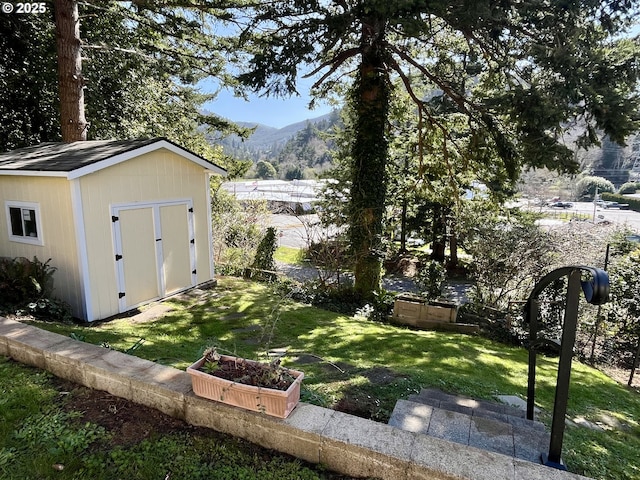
(344,443)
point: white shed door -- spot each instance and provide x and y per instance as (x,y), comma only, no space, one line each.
(176,254)
(155,251)
(140,266)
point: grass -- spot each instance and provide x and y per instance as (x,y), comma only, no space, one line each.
(289,255)
(39,439)
(365,366)
(568,215)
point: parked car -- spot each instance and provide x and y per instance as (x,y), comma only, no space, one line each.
(621,206)
(561,205)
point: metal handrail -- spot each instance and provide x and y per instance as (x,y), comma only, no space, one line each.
(596,291)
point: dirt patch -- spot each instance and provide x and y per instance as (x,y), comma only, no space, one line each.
(362,405)
(128,422)
(306,359)
(621,376)
(152,313)
(381,376)
(407,266)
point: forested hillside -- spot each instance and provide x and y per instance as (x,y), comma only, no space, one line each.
(299,150)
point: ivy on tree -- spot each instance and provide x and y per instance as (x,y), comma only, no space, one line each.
(519,72)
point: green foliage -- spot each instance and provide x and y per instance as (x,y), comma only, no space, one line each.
(509,251)
(309,148)
(369,100)
(294,172)
(348,351)
(379,308)
(634,203)
(628,188)
(624,310)
(50,310)
(36,434)
(26,286)
(28,80)
(56,432)
(453,60)
(265,170)
(140,66)
(237,230)
(430,278)
(266,249)
(586,187)
(23,280)
(24,391)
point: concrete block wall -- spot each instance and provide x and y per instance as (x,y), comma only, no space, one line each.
(344,443)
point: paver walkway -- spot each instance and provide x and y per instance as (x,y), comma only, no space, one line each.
(490,426)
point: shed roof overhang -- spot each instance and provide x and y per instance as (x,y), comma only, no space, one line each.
(74,160)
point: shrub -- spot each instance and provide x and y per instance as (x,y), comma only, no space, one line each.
(509,252)
(26,287)
(430,278)
(263,261)
(634,203)
(50,309)
(23,280)
(586,187)
(237,230)
(627,188)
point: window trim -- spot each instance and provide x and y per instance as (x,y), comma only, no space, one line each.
(24,206)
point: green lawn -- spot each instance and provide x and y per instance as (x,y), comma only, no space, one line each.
(289,255)
(43,437)
(364,367)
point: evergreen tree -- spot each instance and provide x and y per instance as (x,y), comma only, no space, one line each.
(140,64)
(519,72)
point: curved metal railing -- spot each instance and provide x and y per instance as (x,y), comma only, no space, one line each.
(596,291)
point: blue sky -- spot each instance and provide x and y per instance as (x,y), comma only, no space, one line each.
(274,112)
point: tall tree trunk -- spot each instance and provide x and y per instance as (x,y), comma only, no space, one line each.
(439,233)
(403,225)
(369,155)
(70,81)
(453,245)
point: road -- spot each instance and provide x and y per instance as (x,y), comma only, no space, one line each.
(627,218)
(295,231)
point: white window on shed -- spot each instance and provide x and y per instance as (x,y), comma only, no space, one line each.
(23,222)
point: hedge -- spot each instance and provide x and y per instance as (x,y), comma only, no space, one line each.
(634,203)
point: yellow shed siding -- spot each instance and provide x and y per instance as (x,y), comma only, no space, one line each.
(153,177)
(57,230)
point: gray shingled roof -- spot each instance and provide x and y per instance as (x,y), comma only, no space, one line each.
(67,157)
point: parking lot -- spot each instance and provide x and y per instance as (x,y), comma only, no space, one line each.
(598,214)
(294,230)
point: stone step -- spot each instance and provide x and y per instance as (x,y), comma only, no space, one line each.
(513,439)
(473,407)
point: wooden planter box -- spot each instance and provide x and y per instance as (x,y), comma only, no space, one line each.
(418,313)
(278,403)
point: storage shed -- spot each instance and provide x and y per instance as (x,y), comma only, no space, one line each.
(124,222)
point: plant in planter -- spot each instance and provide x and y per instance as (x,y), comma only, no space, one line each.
(261,387)
(428,307)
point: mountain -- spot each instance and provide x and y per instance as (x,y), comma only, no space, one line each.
(616,163)
(266,142)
